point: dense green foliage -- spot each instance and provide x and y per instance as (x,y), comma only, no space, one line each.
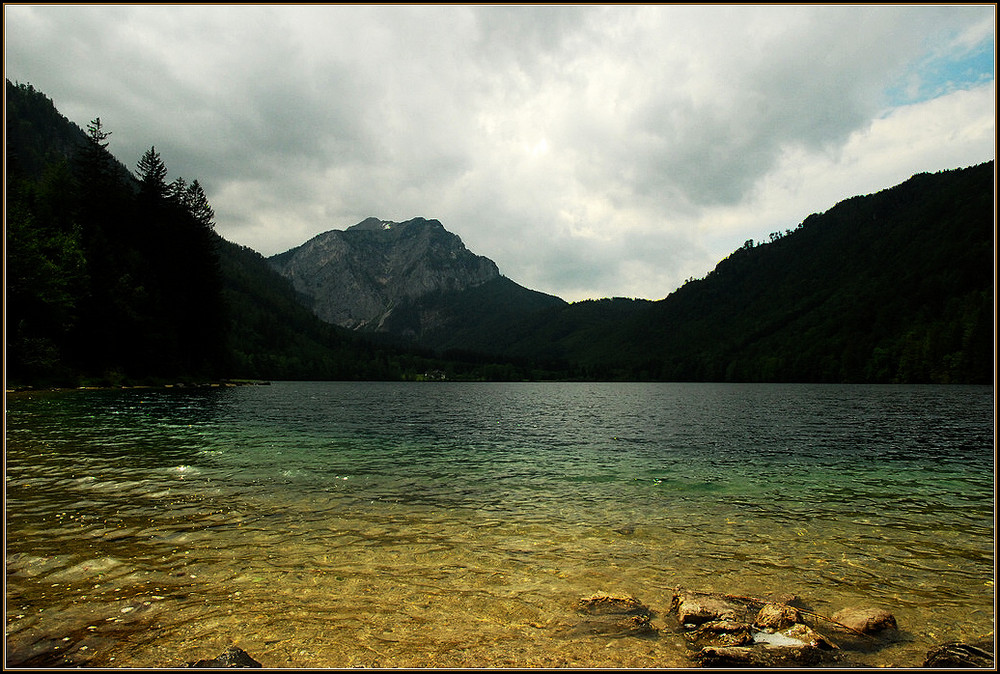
(476,319)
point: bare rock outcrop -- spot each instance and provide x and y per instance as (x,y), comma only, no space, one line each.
(356,278)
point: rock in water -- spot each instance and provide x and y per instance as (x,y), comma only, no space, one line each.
(613,616)
(776,616)
(866,620)
(723,633)
(607,604)
(957,655)
(233,657)
(696,609)
(808,636)
(743,656)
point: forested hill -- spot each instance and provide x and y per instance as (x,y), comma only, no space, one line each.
(896,286)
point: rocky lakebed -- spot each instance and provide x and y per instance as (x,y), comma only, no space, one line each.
(723,630)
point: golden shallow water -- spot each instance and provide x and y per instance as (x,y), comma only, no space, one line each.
(392,587)
(160,539)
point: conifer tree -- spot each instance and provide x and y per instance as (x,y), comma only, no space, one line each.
(97,146)
(177,192)
(152,175)
(198,206)
(96,164)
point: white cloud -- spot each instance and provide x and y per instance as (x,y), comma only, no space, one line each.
(589,150)
(954,131)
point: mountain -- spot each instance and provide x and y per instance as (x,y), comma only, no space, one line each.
(892,287)
(413,280)
(272,336)
(109,282)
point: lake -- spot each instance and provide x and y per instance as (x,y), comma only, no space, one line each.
(455,524)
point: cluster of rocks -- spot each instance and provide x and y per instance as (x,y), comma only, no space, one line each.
(730,631)
(727,630)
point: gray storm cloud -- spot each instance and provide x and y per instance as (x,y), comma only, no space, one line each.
(589,150)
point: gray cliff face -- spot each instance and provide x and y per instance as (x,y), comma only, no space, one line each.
(356,277)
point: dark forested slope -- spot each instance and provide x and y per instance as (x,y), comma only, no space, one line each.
(109,276)
(896,286)
(272,336)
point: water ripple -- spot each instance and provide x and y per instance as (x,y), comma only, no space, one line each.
(310,502)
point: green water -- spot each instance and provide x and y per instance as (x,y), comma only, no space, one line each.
(454,525)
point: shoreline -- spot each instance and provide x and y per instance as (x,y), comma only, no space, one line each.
(222,383)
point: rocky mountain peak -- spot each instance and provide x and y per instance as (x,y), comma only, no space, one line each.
(357,277)
(379,225)
(371,225)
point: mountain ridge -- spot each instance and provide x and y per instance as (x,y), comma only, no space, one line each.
(390,277)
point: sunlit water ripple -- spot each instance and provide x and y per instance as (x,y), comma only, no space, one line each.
(446,524)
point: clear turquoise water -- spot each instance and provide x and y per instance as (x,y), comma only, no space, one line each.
(452,524)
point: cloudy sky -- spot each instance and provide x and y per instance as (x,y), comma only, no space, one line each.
(591,151)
